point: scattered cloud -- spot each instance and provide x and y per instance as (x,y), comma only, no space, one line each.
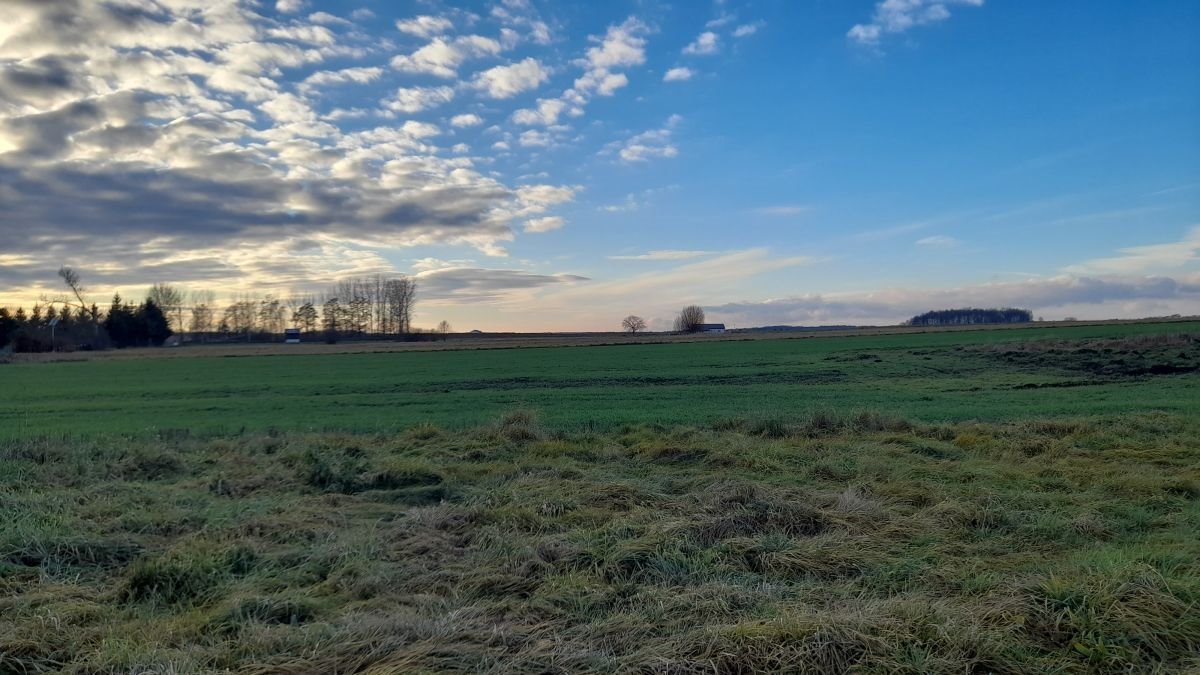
(783,210)
(327,19)
(723,20)
(425,26)
(545,224)
(507,81)
(899,16)
(663,255)
(679,74)
(416,99)
(653,144)
(472,285)
(1151,259)
(324,78)
(289,6)
(442,57)
(748,29)
(938,241)
(466,120)
(546,113)
(705,44)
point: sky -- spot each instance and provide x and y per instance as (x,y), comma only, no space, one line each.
(556,166)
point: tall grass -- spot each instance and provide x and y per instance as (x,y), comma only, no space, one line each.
(824,542)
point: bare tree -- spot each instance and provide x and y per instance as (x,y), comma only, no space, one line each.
(240,316)
(91,314)
(690,319)
(170,300)
(633,324)
(71,278)
(203,312)
(304,315)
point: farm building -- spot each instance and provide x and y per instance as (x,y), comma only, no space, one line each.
(711,328)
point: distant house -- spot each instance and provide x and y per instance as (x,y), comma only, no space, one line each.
(710,328)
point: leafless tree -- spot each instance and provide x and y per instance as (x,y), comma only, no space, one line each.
(304,313)
(170,300)
(71,278)
(240,315)
(690,319)
(203,311)
(270,315)
(633,324)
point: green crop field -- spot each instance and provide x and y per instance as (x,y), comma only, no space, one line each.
(933,377)
(1009,501)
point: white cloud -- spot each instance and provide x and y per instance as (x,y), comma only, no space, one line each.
(508,81)
(1149,259)
(546,224)
(442,57)
(653,144)
(723,20)
(601,82)
(748,29)
(535,139)
(176,141)
(327,19)
(663,255)
(362,14)
(327,77)
(678,74)
(416,99)
(938,241)
(705,44)
(783,210)
(546,113)
(466,120)
(289,6)
(898,16)
(622,46)
(425,26)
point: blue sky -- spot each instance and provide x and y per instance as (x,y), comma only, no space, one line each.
(556,166)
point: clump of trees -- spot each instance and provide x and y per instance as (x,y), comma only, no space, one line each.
(144,325)
(51,328)
(970,316)
(690,319)
(378,306)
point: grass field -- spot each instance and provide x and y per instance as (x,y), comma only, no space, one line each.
(931,376)
(984,502)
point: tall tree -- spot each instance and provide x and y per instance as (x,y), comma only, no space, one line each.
(690,319)
(168,299)
(153,324)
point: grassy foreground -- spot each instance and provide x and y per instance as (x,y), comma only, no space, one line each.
(816,543)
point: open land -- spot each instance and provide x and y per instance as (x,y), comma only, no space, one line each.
(968,501)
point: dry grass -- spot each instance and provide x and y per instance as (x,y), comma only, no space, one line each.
(829,543)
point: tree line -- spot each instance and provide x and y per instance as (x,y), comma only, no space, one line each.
(970,316)
(355,307)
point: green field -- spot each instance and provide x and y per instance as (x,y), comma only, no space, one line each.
(933,377)
(1010,501)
